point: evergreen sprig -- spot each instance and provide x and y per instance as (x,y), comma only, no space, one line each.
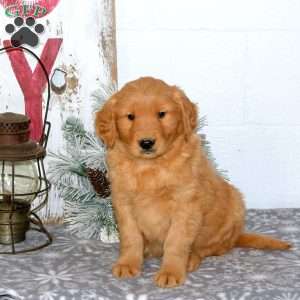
(87,214)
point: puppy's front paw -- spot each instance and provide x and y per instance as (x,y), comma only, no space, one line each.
(125,270)
(168,279)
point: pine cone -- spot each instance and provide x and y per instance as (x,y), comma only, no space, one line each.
(99,181)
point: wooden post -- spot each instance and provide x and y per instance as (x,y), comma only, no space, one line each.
(108,39)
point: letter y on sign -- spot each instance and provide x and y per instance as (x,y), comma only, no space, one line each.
(34,83)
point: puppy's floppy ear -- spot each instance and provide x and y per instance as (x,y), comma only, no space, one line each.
(188,111)
(105,124)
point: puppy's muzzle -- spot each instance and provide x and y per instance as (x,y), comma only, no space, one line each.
(147,144)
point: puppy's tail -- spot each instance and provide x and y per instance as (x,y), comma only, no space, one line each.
(259,241)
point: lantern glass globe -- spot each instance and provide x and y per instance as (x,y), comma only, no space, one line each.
(26,180)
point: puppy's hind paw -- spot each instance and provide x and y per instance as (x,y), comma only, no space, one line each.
(125,271)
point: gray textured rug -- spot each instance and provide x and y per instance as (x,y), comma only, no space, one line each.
(72,269)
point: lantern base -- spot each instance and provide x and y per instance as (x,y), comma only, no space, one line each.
(10,240)
(14,221)
(19,234)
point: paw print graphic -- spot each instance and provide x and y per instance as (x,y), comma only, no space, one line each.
(24,33)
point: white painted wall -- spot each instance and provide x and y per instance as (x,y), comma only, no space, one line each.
(240,61)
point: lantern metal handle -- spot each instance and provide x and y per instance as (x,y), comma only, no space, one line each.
(30,218)
(46,125)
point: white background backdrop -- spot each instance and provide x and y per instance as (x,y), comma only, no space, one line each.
(240,61)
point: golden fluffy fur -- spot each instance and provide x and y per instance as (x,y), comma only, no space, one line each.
(168,201)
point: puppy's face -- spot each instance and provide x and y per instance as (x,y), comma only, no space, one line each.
(146,116)
(147,123)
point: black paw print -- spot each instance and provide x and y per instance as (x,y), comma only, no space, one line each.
(26,34)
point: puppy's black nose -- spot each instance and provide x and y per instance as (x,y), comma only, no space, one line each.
(146,144)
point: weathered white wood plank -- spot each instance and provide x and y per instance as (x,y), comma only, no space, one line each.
(87,55)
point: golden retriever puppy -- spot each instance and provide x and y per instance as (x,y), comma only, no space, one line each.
(168,199)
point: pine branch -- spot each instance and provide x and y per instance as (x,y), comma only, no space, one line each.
(62,165)
(74,129)
(93,156)
(100,96)
(89,220)
(207,148)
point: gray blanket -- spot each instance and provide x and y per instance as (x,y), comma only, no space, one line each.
(9,295)
(81,269)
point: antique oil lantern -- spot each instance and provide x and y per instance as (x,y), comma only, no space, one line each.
(23,183)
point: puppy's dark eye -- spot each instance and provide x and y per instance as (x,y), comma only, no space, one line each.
(161,114)
(131,117)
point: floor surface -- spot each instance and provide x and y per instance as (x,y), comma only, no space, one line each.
(81,269)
